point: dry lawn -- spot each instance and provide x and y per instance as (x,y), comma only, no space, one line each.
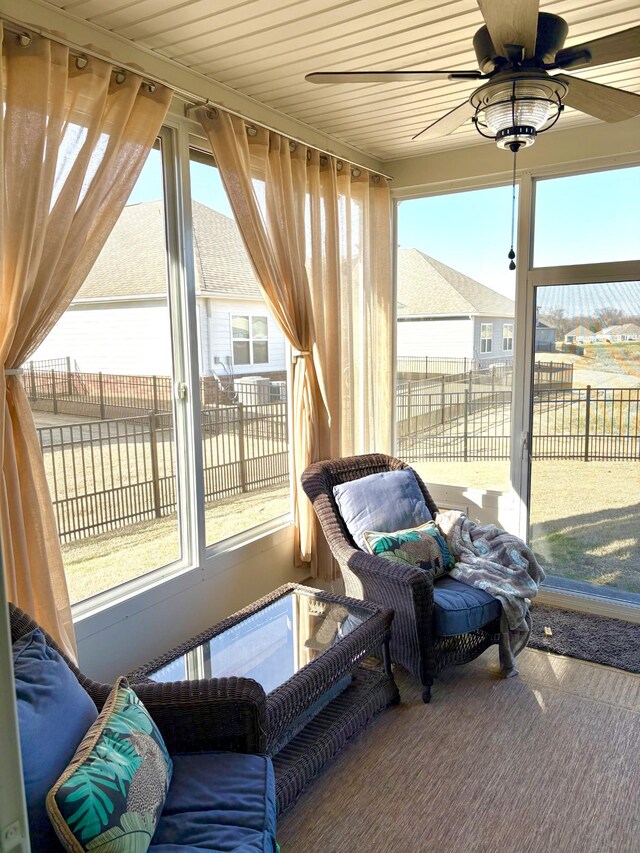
(585,516)
(101,562)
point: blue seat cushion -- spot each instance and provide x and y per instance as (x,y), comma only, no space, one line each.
(54,714)
(460,608)
(218,801)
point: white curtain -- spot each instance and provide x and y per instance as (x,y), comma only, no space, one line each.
(318,235)
(73,140)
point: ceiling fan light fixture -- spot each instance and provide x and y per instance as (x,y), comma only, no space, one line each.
(512,110)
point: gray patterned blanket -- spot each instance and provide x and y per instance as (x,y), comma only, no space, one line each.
(500,563)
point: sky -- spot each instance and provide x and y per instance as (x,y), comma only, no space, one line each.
(579,219)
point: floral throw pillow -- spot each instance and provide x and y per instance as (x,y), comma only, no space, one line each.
(111,795)
(423,547)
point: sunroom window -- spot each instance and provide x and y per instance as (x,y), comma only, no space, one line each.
(101,393)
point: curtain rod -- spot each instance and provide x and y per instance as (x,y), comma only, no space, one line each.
(190,106)
(191,99)
(24,33)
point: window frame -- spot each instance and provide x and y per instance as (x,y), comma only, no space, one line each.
(250,340)
(514,508)
(486,341)
(179,137)
(507,339)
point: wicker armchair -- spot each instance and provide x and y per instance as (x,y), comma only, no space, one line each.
(215,714)
(408,591)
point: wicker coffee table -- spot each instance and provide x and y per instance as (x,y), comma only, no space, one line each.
(307,648)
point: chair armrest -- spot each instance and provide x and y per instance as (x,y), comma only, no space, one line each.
(215,714)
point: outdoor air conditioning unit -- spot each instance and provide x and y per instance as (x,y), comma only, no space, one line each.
(279,392)
(253,390)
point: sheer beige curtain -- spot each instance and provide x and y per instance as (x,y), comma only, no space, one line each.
(74,138)
(318,235)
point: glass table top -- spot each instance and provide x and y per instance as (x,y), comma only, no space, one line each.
(270,645)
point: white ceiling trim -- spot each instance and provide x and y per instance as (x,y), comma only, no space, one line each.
(42,17)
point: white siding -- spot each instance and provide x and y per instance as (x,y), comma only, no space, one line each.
(219,349)
(125,337)
(444,338)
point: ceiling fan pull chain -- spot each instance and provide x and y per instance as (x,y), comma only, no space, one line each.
(512,254)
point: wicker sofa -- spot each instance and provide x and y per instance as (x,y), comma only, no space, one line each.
(222,794)
(425,638)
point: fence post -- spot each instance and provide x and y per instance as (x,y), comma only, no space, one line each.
(470,381)
(493,378)
(32,372)
(101,396)
(442,401)
(154,380)
(409,408)
(426,366)
(241,449)
(587,418)
(155,471)
(69,380)
(54,394)
(466,425)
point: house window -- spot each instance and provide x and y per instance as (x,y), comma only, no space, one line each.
(250,340)
(507,337)
(486,336)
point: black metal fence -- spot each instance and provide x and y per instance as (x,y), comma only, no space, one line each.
(61,390)
(586,424)
(105,474)
(120,467)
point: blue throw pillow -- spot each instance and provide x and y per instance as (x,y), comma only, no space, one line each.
(111,795)
(54,712)
(388,501)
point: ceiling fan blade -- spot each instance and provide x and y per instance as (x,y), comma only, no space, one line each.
(389,76)
(613,48)
(511,22)
(603,102)
(448,122)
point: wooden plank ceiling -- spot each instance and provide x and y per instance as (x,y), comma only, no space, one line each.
(263,48)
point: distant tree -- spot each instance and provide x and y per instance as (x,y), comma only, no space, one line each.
(609,316)
(555,318)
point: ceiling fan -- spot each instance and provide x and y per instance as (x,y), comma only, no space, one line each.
(518,51)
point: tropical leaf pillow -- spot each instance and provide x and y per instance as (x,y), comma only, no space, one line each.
(109,798)
(423,547)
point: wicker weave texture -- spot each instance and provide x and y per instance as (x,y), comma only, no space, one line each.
(321,740)
(406,590)
(286,703)
(213,714)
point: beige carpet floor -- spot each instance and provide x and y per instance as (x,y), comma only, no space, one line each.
(545,763)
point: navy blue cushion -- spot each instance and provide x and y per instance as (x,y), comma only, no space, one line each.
(388,501)
(460,608)
(219,801)
(54,714)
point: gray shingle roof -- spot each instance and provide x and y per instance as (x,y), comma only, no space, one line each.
(133,263)
(580,332)
(427,287)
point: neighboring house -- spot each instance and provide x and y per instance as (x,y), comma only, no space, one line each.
(611,334)
(545,337)
(119,320)
(631,331)
(580,335)
(618,333)
(442,312)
